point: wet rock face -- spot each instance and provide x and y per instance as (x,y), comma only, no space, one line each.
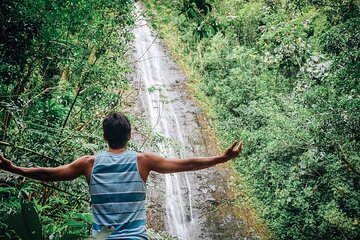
(174,200)
(156,202)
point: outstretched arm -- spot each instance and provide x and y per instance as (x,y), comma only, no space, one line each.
(160,164)
(61,173)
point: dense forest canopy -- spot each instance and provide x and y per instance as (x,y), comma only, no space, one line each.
(63,65)
(285,77)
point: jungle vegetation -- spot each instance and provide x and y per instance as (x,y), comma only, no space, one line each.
(285,77)
(63,65)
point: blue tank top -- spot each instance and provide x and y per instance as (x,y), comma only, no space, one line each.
(118,195)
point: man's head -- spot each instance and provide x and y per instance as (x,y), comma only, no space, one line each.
(117,129)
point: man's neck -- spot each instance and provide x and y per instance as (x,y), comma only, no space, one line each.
(117,150)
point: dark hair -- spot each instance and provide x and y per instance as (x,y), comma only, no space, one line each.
(116,127)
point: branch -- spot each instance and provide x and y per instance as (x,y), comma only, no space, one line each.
(143,54)
(348,164)
(64,191)
(47,185)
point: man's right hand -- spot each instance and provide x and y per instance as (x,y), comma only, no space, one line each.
(5,164)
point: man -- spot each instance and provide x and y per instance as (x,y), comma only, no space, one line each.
(117,177)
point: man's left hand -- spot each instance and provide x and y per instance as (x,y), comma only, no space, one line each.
(233,151)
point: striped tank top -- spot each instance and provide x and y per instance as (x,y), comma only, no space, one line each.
(118,196)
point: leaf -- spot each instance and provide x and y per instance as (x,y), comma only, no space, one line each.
(26,223)
(7,189)
(73,223)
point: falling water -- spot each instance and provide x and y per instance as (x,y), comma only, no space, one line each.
(157,81)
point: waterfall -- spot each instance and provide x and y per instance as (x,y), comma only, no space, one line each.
(156,93)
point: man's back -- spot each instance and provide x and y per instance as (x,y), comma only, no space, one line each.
(118,195)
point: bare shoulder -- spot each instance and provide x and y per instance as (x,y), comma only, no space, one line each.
(149,159)
(85,165)
(147,156)
(85,160)
(142,155)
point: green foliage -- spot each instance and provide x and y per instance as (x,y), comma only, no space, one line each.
(26,223)
(198,11)
(284,77)
(63,65)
